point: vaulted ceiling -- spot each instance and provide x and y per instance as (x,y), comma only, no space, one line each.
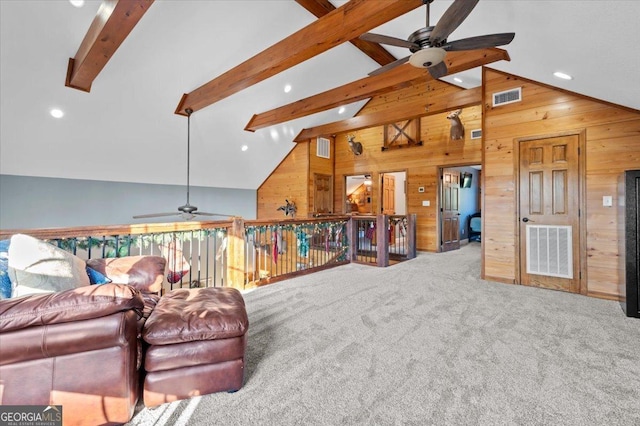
(241,55)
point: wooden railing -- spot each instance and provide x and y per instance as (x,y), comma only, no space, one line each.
(194,250)
(243,254)
(381,239)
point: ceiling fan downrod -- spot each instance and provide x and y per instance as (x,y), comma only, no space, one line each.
(189,111)
(427,3)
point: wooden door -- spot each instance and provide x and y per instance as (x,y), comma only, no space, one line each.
(323,193)
(549,221)
(388,194)
(450,210)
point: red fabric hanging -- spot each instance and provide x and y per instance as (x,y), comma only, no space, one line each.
(177,264)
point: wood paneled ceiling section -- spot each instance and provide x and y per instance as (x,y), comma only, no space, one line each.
(398,78)
(343,24)
(113,23)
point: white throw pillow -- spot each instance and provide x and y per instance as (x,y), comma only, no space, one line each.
(36,266)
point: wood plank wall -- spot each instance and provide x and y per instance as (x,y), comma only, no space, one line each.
(421,164)
(612,146)
(287,182)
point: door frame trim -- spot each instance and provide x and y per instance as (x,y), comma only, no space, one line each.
(582,193)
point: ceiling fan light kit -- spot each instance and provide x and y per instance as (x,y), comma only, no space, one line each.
(427,57)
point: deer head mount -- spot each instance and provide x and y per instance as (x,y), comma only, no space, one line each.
(356,147)
(457,129)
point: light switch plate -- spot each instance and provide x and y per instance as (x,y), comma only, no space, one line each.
(426,203)
(607,201)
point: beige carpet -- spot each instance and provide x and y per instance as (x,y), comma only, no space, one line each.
(425,342)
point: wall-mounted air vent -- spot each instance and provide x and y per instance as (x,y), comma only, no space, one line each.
(323,148)
(507,97)
(549,251)
(476,134)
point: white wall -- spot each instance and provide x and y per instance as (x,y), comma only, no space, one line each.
(35,202)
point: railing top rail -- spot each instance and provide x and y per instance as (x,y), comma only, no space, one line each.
(284,222)
(133,229)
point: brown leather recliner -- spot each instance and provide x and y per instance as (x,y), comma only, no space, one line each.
(80,348)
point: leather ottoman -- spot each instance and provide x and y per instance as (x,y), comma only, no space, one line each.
(197,341)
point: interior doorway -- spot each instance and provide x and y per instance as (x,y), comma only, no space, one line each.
(358,198)
(459,208)
(322,193)
(549,205)
(393,194)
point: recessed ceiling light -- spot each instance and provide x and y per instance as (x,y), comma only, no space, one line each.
(457,79)
(287,88)
(562,75)
(77,3)
(56,113)
(244,147)
(342,110)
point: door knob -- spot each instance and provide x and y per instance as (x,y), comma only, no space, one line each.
(525,219)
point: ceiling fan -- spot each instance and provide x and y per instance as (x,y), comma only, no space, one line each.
(187,211)
(429,45)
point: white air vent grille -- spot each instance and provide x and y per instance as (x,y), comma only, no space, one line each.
(323,148)
(476,134)
(507,97)
(549,251)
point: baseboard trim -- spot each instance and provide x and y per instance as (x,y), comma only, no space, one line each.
(498,279)
(602,295)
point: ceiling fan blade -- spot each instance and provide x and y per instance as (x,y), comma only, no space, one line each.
(389,66)
(438,70)
(479,42)
(143,216)
(212,214)
(392,41)
(451,19)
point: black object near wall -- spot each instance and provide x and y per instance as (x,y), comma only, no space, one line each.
(630,290)
(465,180)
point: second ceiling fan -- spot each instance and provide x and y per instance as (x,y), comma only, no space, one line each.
(429,45)
(187,211)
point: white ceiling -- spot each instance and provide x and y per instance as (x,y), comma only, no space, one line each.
(126,129)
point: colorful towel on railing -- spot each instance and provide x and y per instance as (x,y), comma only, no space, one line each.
(177,264)
(370,232)
(275,248)
(303,244)
(327,234)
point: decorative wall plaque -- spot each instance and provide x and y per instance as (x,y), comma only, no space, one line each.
(402,134)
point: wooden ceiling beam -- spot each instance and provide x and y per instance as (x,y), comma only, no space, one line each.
(436,105)
(343,24)
(392,80)
(375,51)
(111,26)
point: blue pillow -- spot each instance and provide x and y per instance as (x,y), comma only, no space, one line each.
(96,277)
(5,281)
